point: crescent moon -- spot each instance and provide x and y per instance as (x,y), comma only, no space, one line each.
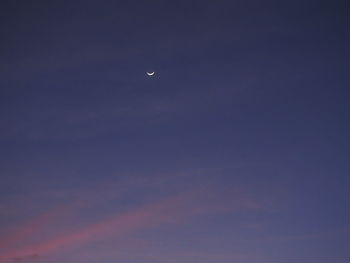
(150,73)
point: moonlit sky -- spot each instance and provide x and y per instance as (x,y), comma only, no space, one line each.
(235,151)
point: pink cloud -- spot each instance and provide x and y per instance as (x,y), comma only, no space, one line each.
(33,226)
(177,208)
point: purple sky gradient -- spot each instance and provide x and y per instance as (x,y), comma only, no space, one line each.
(236,150)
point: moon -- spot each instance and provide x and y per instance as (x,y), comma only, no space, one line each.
(150,73)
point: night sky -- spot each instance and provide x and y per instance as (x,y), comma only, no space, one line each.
(235,151)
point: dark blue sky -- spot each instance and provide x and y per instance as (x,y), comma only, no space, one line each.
(236,150)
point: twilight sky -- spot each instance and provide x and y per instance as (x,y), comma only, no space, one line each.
(235,151)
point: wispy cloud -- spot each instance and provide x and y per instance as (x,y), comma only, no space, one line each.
(33,226)
(178,208)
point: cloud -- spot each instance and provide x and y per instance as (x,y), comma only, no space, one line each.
(34,225)
(26,258)
(177,208)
